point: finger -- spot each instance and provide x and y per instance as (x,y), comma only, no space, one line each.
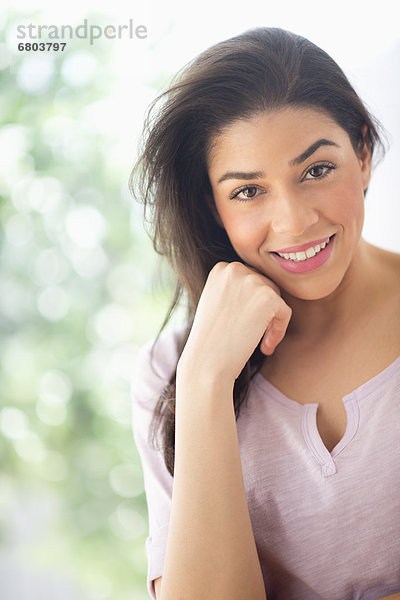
(270,282)
(276,330)
(270,341)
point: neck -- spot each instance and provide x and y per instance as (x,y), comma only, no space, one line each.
(314,320)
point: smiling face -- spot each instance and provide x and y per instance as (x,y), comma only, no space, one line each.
(286,179)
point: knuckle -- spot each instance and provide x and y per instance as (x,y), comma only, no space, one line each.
(274,287)
(269,292)
(287,309)
(219,266)
(235,266)
(234,271)
(216,270)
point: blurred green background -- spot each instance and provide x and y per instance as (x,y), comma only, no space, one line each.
(80,287)
(77,300)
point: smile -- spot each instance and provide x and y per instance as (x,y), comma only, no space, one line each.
(309,253)
(306,260)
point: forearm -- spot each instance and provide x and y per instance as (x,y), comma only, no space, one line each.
(211,552)
(392,597)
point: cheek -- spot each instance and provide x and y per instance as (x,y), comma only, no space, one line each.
(349,205)
(246,231)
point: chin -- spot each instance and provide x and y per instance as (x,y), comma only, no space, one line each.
(305,291)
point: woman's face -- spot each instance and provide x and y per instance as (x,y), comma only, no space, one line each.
(285,179)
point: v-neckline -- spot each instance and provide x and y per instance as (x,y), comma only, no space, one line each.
(362,390)
(308,412)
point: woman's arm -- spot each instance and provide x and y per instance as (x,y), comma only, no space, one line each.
(211,553)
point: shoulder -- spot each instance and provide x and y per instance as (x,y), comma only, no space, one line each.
(386,272)
(389,262)
(156,362)
(391,283)
(387,278)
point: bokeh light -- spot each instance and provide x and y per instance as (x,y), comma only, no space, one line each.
(71,288)
(80,287)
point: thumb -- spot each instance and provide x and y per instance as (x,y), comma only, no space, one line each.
(276,330)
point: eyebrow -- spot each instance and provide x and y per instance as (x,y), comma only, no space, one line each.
(310,150)
(296,161)
(241,175)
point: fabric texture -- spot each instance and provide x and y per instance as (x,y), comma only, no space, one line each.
(326,524)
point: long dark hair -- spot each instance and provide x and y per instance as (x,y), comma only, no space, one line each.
(261,69)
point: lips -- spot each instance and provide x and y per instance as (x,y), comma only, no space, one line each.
(303,246)
(305,264)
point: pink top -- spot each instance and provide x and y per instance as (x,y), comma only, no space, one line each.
(326,524)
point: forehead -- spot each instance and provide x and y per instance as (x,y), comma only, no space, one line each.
(286,131)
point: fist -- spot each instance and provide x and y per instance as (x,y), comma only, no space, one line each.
(238,307)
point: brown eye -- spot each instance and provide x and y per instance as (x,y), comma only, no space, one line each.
(319,171)
(249,192)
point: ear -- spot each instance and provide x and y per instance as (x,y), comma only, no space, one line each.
(213,209)
(364,157)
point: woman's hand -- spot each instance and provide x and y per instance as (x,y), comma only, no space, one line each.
(238,307)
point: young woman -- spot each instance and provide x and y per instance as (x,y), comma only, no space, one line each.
(277,404)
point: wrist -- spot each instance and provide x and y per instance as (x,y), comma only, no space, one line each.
(203,379)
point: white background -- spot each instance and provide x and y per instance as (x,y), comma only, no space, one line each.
(363,37)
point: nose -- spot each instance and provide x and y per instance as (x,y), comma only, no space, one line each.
(291,214)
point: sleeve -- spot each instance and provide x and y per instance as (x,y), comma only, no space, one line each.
(151,374)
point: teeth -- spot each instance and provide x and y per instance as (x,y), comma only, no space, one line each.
(309,253)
